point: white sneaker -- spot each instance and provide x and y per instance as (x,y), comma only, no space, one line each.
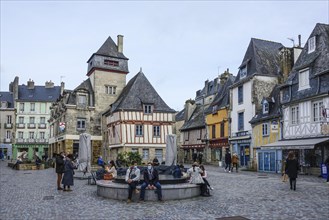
(211,188)
(229,171)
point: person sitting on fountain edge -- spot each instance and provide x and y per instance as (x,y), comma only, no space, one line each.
(132,178)
(151,181)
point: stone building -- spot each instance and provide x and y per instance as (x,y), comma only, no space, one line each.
(80,110)
(138,121)
(7,123)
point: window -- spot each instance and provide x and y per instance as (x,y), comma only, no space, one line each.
(21,107)
(32,119)
(145,154)
(213,131)
(214,109)
(111,90)
(311,44)
(81,124)
(4,104)
(294,115)
(159,154)
(42,120)
(186,135)
(134,150)
(147,109)
(8,134)
(317,110)
(139,130)
(82,99)
(265,129)
(20,135)
(222,129)
(304,81)
(32,107)
(243,72)
(31,135)
(113,131)
(241,121)
(265,107)
(111,63)
(42,135)
(9,119)
(21,120)
(240,94)
(156,131)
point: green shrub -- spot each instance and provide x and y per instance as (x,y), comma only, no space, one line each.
(127,158)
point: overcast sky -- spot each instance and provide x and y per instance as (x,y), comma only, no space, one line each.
(179,45)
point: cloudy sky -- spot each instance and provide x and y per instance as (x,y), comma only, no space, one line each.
(179,45)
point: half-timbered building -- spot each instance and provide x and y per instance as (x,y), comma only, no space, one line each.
(139,121)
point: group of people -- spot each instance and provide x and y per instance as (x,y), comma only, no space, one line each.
(231,160)
(65,170)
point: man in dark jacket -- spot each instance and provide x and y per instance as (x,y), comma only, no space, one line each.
(59,169)
(228,161)
(326,162)
(151,181)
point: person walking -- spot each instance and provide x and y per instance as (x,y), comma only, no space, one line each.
(151,181)
(228,161)
(194,155)
(59,169)
(200,157)
(292,169)
(132,178)
(67,180)
(235,160)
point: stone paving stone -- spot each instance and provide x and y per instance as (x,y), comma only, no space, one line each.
(242,194)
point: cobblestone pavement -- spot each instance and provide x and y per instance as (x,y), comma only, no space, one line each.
(33,195)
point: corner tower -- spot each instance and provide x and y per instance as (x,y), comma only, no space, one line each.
(107,70)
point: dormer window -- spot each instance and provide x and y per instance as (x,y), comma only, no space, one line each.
(111,90)
(265,107)
(148,109)
(311,44)
(304,81)
(111,63)
(214,109)
(82,101)
(4,104)
(243,71)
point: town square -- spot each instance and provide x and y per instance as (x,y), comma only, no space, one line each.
(164,110)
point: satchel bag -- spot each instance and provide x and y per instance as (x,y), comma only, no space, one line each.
(108,176)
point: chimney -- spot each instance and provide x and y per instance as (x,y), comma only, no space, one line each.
(299,40)
(189,108)
(62,87)
(49,84)
(120,43)
(224,76)
(30,84)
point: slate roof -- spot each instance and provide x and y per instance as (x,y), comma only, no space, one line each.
(318,64)
(180,115)
(222,98)
(38,93)
(196,120)
(86,86)
(262,58)
(7,97)
(109,49)
(137,92)
(274,107)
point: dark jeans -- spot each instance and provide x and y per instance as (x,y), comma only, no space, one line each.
(203,188)
(228,165)
(236,166)
(292,183)
(158,190)
(131,188)
(206,182)
(59,179)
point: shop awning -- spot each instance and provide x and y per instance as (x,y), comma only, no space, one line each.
(295,144)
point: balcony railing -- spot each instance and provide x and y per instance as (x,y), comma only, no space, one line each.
(42,126)
(31,125)
(21,125)
(8,125)
(7,140)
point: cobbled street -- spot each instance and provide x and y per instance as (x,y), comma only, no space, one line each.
(33,194)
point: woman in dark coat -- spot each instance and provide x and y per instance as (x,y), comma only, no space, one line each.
(67,180)
(292,169)
(59,169)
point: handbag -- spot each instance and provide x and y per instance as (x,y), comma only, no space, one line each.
(108,176)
